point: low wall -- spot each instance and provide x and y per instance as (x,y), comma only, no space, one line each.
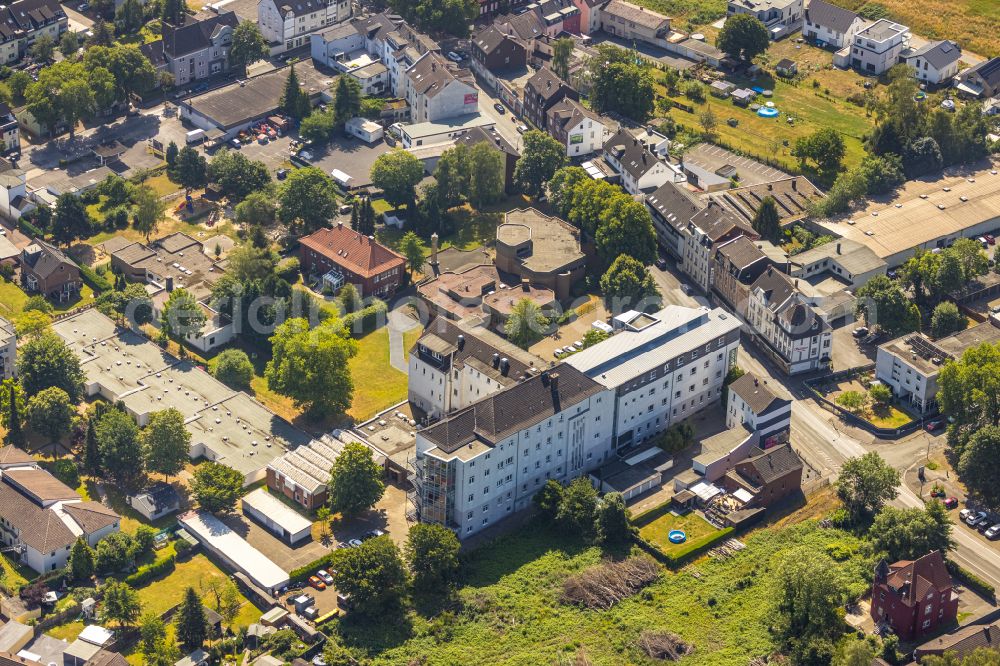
(854,419)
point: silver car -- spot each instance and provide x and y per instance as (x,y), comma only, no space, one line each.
(993,532)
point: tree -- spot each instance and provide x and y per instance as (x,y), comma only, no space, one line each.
(880,396)
(449,16)
(190,170)
(192,626)
(50,413)
(548,499)
(884,304)
(767,221)
(623,87)
(906,534)
(239,176)
(71,220)
(129,17)
(453,173)
(216,487)
(372,575)
(922,156)
(228,601)
(258,209)
(81,560)
(562,187)
(947,319)
(628,282)
(91,450)
(11,408)
(120,447)
(432,555)
(31,323)
(172,12)
(294,100)
(882,173)
(614,524)
(978,657)
(806,602)
(708,122)
(541,157)
(562,50)
(121,603)
(318,127)
(346,100)
(355,481)
(626,228)
(593,336)
(308,197)
(578,507)
(233,368)
(743,37)
(46,361)
(131,306)
(977,465)
(167,443)
(413,250)
(18,82)
(349,298)
(43,48)
(157,648)
(969,389)
(133,73)
(149,209)
(397,173)
(866,484)
(526,323)
(825,147)
(971,258)
(248,45)
(181,315)
(310,366)
(855,653)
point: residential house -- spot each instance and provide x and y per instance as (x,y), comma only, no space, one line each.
(558,16)
(577,128)
(934,62)
(590,15)
(494,52)
(709,229)
(982,80)
(830,24)
(287,25)
(196,50)
(24,21)
(914,598)
(302,474)
(436,90)
(633,23)
(752,403)
(780,17)
(46,270)
(10,135)
(736,266)
(8,349)
(338,42)
(640,170)
(541,250)
(672,206)
(349,257)
(786,327)
(41,518)
(157,500)
(543,91)
(877,47)
(480,135)
(451,367)
(767,475)
(961,642)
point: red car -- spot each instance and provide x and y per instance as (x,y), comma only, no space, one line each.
(990,239)
(934,425)
(317,583)
(951,503)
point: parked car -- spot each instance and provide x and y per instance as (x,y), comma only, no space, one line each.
(990,238)
(454,57)
(235,143)
(976,518)
(578,345)
(83,6)
(521,129)
(950,503)
(964,514)
(354,543)
(933,425)
(661,263)
(982,241)
(372,534)
(325,576)
(557,352)
(992,532)
(500,108)
(305,155)
(860,332)
(281,174)
(995,309)
(317,583)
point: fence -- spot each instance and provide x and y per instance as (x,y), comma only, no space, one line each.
(850,417)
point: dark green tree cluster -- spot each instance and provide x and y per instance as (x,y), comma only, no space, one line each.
(866,484)
(578,510)
(363,216)
(621,84)
(355,481)
(806,607)
(629,284)
(541,157)
(934,275)
(743,37)
(882,303)
(473,174)
(906,534)
(452,17)
(294,101)
(236,174)
(217,487)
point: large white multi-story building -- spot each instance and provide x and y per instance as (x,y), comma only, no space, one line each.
(288,25)
(437,90)
(8,349)
(877,48)
(486,460)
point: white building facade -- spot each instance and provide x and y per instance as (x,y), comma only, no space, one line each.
(8,349)
(287,26)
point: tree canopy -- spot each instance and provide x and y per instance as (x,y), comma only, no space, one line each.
(45,361)
(310,366)
(449,16)
(308,197)
(355,481)
(217,487)
(743,37)
(629,284)
(432,554)
(526,323)
(541,156)
(120,447)
(906,534)
(866,483)
(397,174)
(372,575)
(623,87)
(166,442)
(248,45)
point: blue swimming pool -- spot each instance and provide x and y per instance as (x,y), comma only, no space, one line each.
(767,112)
(677,536)
(757,89)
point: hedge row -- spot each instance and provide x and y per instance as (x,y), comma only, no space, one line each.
(148,572)
(95,281)
(971,580)
(689,551)
(30,229)
(366,319)
(300,574)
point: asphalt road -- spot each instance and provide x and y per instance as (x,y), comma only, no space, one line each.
(504,125)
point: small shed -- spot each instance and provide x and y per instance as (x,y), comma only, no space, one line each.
(278,517)
(743,97)
(79,652)
(158,500)
(109,152)
(786,68)
(721,89)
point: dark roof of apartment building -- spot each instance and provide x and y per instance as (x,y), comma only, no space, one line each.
(196,35)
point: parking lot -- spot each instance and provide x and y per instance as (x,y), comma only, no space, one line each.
(352,156)
(751,172)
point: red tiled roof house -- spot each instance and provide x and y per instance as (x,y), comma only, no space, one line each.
(914,598)
(341,255)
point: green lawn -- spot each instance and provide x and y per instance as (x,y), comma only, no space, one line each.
(509,610)
(893,419)
(15,576)
(12,299)
(692,524)
(377,384)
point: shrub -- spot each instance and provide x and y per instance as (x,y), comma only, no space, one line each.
(93,280)
(29,228)
(288,270)
(148,572)
(367,319)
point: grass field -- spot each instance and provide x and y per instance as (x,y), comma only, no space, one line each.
(510,612)
(377,384)
(13,298)
(974,24)
(692,524)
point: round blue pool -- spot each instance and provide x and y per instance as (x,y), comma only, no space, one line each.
(677,536)
(757,89)
(767,112)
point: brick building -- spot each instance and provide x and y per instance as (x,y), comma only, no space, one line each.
(341,255)
(914,598)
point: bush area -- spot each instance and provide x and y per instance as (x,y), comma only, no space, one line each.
(149,572)
(96,282)
(971,580)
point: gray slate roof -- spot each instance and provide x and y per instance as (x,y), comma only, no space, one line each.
(838,19)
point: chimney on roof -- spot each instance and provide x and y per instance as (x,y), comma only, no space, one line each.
(170,284)
(496,360)
(756,382)
(795,185)
(770,187)
(340,225)
(554,383)
(838,248)
(525,285)
(434,249)
(504,366)
(461,341)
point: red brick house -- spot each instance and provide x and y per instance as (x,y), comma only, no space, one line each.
(46,270)
(767,475)
(914,598)
(340,255)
